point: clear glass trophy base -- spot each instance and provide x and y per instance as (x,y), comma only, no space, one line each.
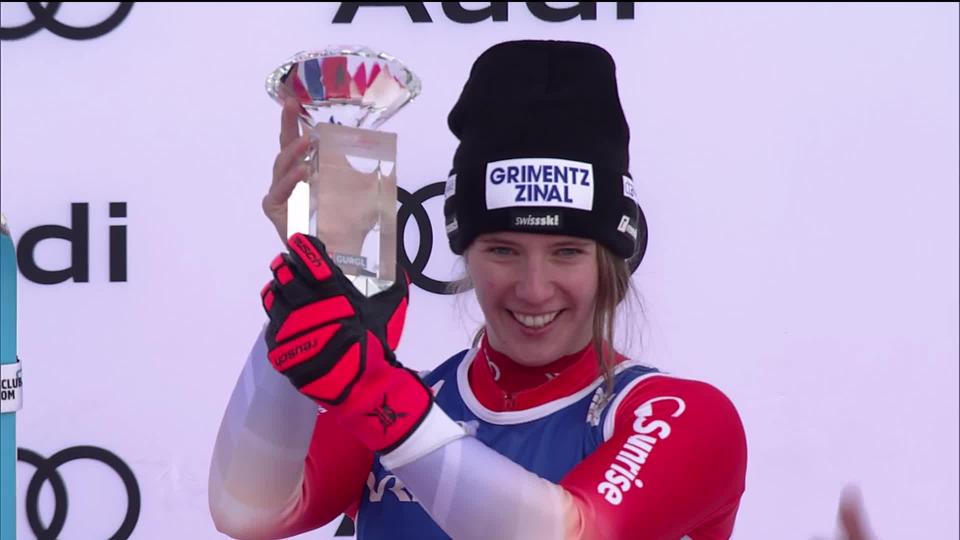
(348,201)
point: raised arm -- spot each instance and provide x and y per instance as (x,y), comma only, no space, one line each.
(278,467)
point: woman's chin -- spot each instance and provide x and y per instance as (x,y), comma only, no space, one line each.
(533,356)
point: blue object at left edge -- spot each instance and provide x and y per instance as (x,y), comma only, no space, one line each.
(8,355)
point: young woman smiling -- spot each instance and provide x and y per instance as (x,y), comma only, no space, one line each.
(540,431)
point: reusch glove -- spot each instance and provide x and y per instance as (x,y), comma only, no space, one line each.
(336,345)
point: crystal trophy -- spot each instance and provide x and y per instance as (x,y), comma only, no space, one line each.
(349,198)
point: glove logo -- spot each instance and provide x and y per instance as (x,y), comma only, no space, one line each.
(298,350)
(310,257)
(308,251)
(386,415)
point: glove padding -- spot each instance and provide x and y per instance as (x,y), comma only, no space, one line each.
(336,345)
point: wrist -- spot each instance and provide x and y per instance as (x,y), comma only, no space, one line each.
(436,430)
(386,408)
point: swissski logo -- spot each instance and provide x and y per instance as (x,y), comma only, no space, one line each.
(537,220)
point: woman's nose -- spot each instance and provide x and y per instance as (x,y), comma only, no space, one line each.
(534,284)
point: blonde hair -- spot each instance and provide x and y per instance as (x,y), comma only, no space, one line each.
(613,286)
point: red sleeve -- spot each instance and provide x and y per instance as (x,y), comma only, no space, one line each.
(674,465)
(335,470)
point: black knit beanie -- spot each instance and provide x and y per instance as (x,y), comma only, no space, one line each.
(543,149)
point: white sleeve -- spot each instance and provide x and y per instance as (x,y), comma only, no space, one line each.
(473,492)
(256,471)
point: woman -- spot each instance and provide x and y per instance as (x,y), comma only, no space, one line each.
(540,431)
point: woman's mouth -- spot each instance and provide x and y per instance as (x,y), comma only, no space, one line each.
(535,321)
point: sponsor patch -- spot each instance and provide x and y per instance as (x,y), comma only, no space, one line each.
(629,190)
(11,387)
(553,182)
(536,220)
(651,425)
(626,227)
(451,188)
(599,399)
(349,260)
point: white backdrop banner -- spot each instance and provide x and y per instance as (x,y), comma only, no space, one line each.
(797,164)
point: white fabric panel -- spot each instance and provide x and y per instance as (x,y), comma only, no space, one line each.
(256,471)
(451,480)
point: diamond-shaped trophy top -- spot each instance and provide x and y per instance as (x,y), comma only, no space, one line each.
(349,85)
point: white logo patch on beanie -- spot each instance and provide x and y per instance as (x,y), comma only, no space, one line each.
(539,182)
(629,191)
(626,227)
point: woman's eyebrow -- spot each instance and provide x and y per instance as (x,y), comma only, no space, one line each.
(571,243)
(496,240)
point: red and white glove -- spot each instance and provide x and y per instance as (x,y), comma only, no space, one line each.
(336,345)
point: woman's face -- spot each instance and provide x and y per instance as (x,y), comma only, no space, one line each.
(538,293)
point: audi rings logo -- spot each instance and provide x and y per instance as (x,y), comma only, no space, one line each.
(44,17)
(47,472)
(411,205)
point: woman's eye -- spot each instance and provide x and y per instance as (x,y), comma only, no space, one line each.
(569,252)
(500,250)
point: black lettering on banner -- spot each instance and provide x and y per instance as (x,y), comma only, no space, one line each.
(47,470)
(78,236)
(43,17)
(118,243)
(348,10)
(495,11)
(587,11)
